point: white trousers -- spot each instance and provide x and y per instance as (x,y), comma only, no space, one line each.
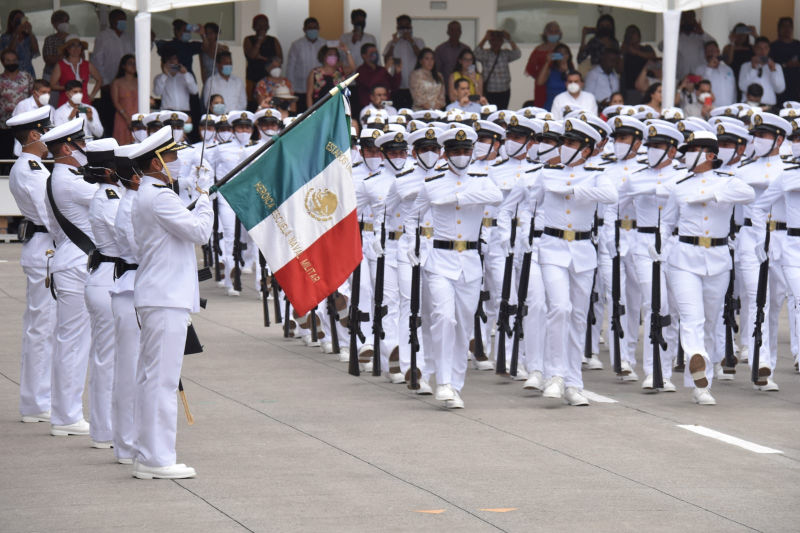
(605,275)
(748,275)
(632,298)
(38,344)
(158,371)
(126,356)
(452,309)
(73,342)
(534,322)
(404,271)
(391,298)
(792,276)
(101,361)
(777,295)
(567,308)
(699,300)
(644,273)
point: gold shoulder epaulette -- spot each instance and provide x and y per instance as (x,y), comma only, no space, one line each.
(405,173)
(111,194)
(436,177)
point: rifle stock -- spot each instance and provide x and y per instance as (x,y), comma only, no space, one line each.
(761,302)
(414,320)
(522,297)
(506,309)
(380,310)
(729,311)
(262,262)
(617,309)
(657,320)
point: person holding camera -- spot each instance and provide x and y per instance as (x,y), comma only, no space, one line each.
(739,51)
(465,70)
(553,76)
(720,76)
(463,99)
(20,38)
(763,71)
(75,107)
(175,84)
(696,99)
(403,50)
(495,60)
(604,37)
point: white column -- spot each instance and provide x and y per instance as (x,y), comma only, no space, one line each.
(142,49)
(672,19)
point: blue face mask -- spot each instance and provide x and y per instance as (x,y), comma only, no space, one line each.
(122,25)
(312,34)
(227,70)
(373,57)
(553,38)
(187,128)
(186,36)
(218,109)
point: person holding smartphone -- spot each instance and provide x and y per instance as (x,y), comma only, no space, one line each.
(495,60)
(76,108)
(20,38)
(464,100)
(786,51)
(763,71)
(554,74)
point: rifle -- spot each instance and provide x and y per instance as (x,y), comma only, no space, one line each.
(287,320)
(657,320)
(380,310)
(354,319)
(264,288)
(312,315)
(333,316)
(238,262)
(506,310)
(208,257)
(216,236)
(522,296)
(276,299)
(591,319)
(732,305)
(478,351)
(761,302)
(617,309)
(680,360)
(414,320)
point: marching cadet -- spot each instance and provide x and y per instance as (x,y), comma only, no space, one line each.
(138,128)
(68,199)
(768,132)
(700,207)
(568,194)
(27,182)
(101,169)
(268,123)
(165,292)
(640,190)
(179,122)
(152,122)
(453,271)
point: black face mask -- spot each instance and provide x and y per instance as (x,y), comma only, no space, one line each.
(13,67)
(603,32)
(280,103)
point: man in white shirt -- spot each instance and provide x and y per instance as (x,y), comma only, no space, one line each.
(603,81)
(462,101)
(174,84)
(405,47)
(691,40)
(355,39)
(224,83)
(74,108)
(109,47)
(720,75)
(302,58)
(573,98)
(763,71)
(38,98)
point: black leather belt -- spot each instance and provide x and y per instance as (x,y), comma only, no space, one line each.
(675,231)
(568,234)
(95,258)
(736,227)
(647,229)
(489,222)
(706,242)
(458,246)
(120,267)
(600,222)
(774,225)
(35,228)
(537,233)
(793,232)
(394,235)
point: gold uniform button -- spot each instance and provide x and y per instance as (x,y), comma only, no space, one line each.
(458,183)
(568,211)
(458,222)
(458,207)
(658,182)
(458,236)
(704,204)
(769,164)
(517,174)
(702,181)
(569,183)
(566,197)
(569,225)
(427,223)
(398,215)
(571,176)
(624,168)
(702,192)
(486,212)
(705,218)
(706,232)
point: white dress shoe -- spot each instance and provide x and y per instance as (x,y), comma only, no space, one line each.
(522,374)
(625,368)
(424,388)
(177,471)
(647,384)
(594,363)
(720,374)
(486,364)
(232,292)
(668,386)
(574,397)
(771,386)
(632,376)
(444,392)
(554,388)
(744,354)
(344,355)
(81,427)
(535,381)
(601,339)
(365,367)
(102,445)
(326,347)
(41,417)
(702,396)
(125,460)
(308,342)
(456,402)
(395,378)
(221,283)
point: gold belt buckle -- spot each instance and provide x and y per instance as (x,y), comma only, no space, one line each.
(773,225)
(569,235)
(627,225)
(704,241)
(368,227)
(459,246)
(487,222)
(427,232)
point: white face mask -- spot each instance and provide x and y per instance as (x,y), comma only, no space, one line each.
(693,159)
(174,170)
(459,163)
(63,27)
(275,72)
(373,163)
(655,156)
(208,135)
(795,150)
(547,151)
(762,146)
(726,154)
(76,98)
(139,135)
(569,155)
(225,136)
(513,148)
(177,135)
(573,88)
(533,152)
(480,151)
(429,159)
(243,137)
(44,99)
(749,150)
(621,150)
(397,163)
(79,157)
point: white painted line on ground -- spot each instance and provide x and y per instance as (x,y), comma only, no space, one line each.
(747,445)
(594,397)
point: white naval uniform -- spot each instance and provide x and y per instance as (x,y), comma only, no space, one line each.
(366,220)
(73,331)
(698,276)
(568,266)
(227,156)
(126,335)
(166,290)
(27,184)
(452,279)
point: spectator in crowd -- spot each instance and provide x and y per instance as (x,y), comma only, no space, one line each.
(573,98)
(356,39)
(175,84)
(331,71)
(719,75)
(110,46)
(696,99)
(259,49)
(739,50)
(60,21)
(605,36)
(754,96)
(15,86)
(371,74)
(224,83)
(553,77)
(125,98)
(427,85)
(635,56)
(463,99)
(75,107)
(210,47)
(405,49)
(465,69)
(378,96)
(40,96)
(449,53)
(539,58)
(763,70)
(652,96)
(265,88)
(602,81)
(615,99)
(303,59)
(73,66)
(650,74)
(20,38)
(786,52)
(495,60)
(217,104)
(284,101)
(691,43)
(181,42)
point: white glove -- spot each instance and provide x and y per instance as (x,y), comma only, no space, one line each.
(559,189)
(412,258)
(761,254)
(654,255)
(504,247)
(377,248)
(205,179)
(731,244)
(446,200)
(526,247)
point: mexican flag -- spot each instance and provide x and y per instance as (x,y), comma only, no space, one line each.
(298,204)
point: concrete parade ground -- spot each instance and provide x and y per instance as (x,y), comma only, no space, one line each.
(285,440)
